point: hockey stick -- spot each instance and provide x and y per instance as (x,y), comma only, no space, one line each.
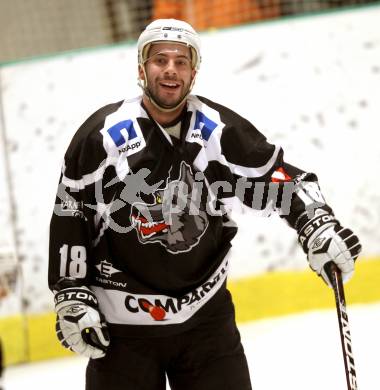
(345,335)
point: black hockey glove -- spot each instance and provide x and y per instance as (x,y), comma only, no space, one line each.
(324,240)
(80,326)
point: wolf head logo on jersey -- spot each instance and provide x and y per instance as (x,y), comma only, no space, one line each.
(176,220)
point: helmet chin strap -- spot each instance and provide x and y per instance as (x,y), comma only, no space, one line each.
(144,86)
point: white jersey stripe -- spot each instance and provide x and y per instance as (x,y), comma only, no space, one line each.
(121,307)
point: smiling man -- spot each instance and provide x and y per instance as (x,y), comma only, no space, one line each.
(168,76)
(167,71)
(140,236)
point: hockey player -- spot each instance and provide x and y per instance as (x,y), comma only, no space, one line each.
(140,234)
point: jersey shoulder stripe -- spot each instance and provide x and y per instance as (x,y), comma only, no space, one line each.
(91,126)
(237,144)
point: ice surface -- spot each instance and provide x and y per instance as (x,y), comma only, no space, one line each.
(296,352)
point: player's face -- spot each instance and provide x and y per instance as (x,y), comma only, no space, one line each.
(169,73)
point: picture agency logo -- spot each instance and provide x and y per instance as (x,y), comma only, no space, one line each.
(176,209)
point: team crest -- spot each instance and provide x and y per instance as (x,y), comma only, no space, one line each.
(174,219)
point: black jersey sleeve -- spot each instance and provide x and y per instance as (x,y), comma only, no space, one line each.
(262,179)
(70,236)
(73,222)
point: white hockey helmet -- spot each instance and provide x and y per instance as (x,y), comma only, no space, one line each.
(171,30)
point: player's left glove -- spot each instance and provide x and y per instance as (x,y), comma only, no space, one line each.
(81,327)
(323,240)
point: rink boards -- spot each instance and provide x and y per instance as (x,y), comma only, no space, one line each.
(268,295)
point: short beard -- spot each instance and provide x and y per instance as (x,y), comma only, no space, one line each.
(161,103)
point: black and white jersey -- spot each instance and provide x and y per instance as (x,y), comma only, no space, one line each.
(142,217)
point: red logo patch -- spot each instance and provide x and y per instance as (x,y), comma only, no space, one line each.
(157,312)
(279,175)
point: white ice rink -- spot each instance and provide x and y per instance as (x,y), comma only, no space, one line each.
(297,352)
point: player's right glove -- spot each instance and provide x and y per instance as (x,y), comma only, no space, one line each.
(324,240)
(80,326)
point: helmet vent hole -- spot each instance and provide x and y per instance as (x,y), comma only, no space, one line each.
(165,35)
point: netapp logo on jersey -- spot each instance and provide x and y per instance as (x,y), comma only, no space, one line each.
(203,127)
(126,136)
(122,131)
(132,147)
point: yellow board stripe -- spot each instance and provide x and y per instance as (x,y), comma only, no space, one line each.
(43,341)
(281,293)
(262,296)
(13,339)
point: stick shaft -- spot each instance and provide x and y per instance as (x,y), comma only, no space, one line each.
(345,334)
